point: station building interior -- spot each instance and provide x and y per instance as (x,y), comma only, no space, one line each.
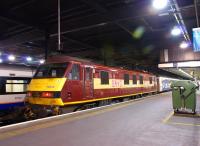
(96,72)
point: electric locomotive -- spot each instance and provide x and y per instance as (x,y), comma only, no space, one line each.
(66,81)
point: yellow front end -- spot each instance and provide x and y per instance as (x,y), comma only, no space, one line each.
(46,85)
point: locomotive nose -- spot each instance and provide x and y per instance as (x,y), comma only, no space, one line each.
(44,94)
(50,84)
(46,91)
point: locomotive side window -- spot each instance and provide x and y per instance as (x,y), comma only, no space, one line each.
(141,79)
(150,80)
(104,77)
(75,72)
(88,73)
(134,79)
(126,79)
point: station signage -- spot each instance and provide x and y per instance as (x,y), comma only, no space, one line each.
(196,39)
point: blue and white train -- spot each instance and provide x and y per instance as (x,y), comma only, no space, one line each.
(165,83)
(13,85)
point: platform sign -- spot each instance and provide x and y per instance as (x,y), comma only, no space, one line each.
(196,39)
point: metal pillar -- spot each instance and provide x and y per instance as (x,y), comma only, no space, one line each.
(196,11)
(59,42)
(47,36)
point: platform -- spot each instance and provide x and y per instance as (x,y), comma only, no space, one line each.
(145,122)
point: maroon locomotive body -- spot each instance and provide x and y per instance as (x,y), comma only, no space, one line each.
(64,80)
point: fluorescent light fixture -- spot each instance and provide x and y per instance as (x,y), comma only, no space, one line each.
(1,60)
(189,64)
(180,64)
(176,31)
(165,65)
(28,59)
(0,53)
(183,45)
(42,61)
(159,4)
(11,57)
(163,14)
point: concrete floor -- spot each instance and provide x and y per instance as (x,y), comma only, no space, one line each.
(147,122)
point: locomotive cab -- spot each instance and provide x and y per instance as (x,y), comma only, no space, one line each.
(59,84)
(45,87)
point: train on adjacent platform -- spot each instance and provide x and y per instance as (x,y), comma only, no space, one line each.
(70,82)
(14,81)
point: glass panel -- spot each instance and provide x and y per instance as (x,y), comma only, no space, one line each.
(134,79)
(141,79)
(16,81)
(51,70)
(150,80)
(75,72)
(104,77)
(126,79)
(16,88)
(2,85)
(87,73)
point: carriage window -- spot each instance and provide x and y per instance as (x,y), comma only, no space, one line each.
(16,86)
(141,79)
(150,80)
(134,79)
(104,77)
(2,85)
(51,70)
(75,72)
(126,79)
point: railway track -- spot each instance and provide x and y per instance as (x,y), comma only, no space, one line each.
(71,109)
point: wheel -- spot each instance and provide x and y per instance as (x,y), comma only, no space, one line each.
(194,111)
(176,110)
(80,108)
(28,113)
(57,111)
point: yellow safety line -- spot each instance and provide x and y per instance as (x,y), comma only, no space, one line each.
(70,118)
(166,119)
(187,115)
(183,124)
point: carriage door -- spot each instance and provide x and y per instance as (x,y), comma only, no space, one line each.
(88,82)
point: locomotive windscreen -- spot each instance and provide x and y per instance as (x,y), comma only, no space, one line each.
(51,70)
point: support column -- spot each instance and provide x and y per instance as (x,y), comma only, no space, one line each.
(46,43)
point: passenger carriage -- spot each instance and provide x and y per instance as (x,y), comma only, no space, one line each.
(13,85)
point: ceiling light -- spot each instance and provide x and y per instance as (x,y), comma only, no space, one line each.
(42,61)
(183,45)
(28,58)
(11,57)
(163,14)
(1,60)
(176,31)
(159,4)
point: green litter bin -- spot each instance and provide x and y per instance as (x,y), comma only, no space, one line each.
(184,96)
